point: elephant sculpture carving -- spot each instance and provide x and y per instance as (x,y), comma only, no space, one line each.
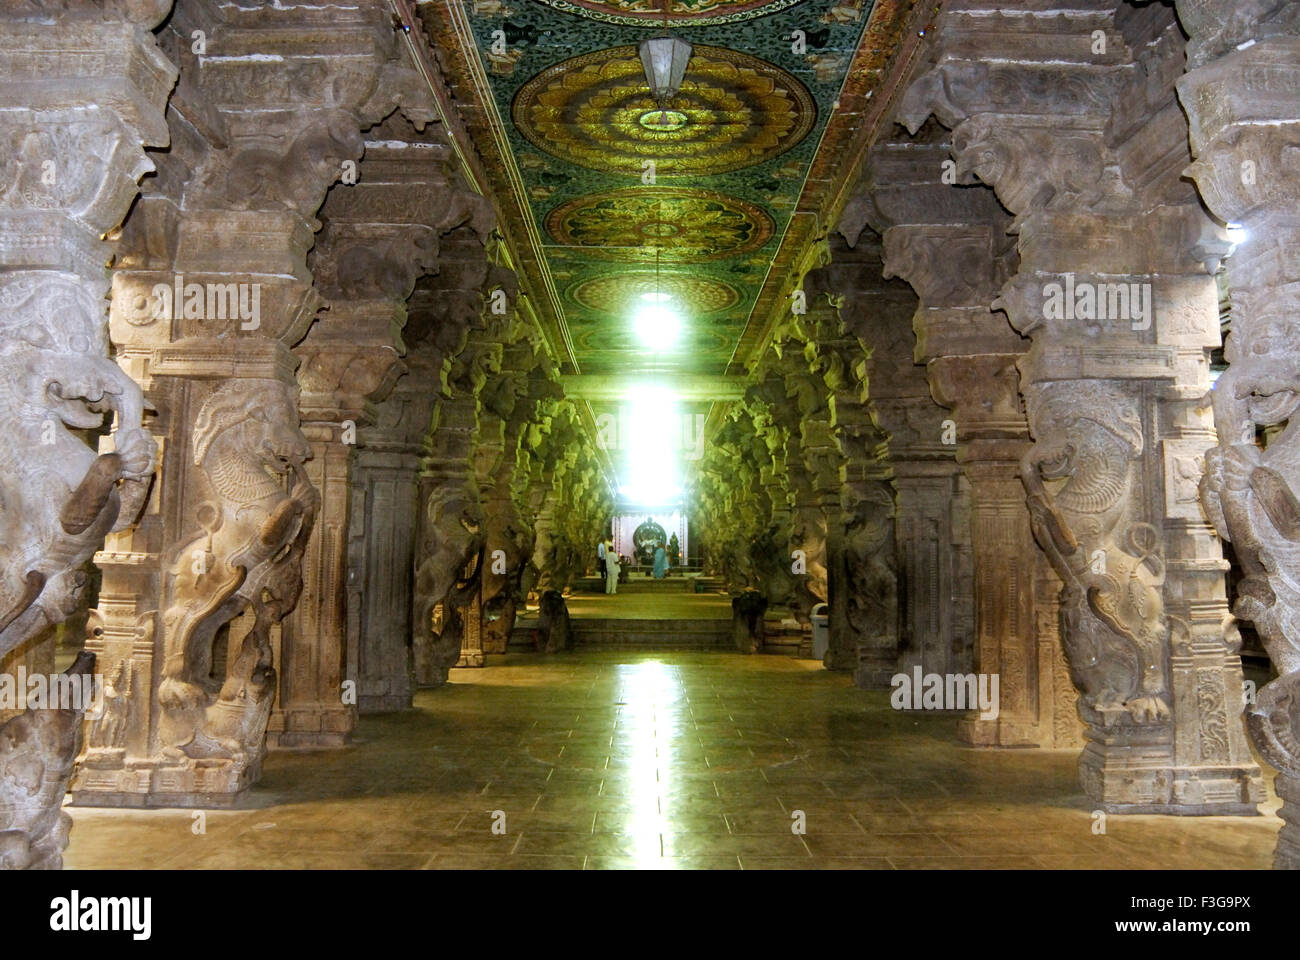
(256,526)
(869,572)
(37,751)
(502,578)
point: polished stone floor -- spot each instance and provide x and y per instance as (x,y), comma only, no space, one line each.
(691,760)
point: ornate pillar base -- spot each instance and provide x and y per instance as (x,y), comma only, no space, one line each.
(1128,773)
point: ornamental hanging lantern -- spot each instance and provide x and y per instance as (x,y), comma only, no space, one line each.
(664,59)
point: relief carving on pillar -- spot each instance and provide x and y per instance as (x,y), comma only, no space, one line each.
(59,498)
(871,574)
(447,576)
(1239,93)
(257,520)
(1080,476)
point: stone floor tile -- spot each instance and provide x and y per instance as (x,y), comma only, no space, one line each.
(673,761)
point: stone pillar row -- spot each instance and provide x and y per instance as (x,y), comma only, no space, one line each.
(741,493)
(212,290)
(259,301)
(489,462)
(1113,294)
(876,513)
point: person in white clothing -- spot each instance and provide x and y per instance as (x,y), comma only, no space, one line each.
(611,568)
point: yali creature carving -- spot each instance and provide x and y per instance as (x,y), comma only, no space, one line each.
(1079,477)
(57,497)
(256,525)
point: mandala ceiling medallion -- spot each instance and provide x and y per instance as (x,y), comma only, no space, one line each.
(620,294)
(650,13)
(683,226)
(732,111)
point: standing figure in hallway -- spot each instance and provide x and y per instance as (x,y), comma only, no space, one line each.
(600,559)
(661,562)
(611,568)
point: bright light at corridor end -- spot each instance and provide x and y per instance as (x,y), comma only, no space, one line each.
(651,478)
(657,323)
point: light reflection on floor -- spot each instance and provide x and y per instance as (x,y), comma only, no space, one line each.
(676,760)
(649,693)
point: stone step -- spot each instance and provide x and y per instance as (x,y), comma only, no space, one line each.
(641,584)
(637,634)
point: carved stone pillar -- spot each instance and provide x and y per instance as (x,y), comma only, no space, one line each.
(211,291)
(381,539)
(777,538)
(350,360)
(507,539)
(949,242)
(381,234)
(449,540)
(73,162)
(73,169)
(1113,294)
(1240,96)
(931,526)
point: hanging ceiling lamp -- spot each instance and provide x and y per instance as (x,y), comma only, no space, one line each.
(664,58)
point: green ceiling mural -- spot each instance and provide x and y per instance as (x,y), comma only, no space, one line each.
(731,153)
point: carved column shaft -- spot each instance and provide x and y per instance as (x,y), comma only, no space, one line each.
(1240,96)
(73,159)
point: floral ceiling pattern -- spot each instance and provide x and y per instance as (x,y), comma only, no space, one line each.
(562,88)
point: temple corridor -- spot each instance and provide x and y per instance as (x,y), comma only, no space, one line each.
(664,761)
(639,434)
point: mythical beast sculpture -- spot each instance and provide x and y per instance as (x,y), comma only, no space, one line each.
(58,499)
(448,574)
(1112,604)
(256,526)
(1249,492)
(869,574)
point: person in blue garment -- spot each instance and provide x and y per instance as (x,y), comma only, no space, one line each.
(661,562)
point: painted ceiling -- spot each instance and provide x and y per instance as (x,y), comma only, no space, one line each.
(560,84)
